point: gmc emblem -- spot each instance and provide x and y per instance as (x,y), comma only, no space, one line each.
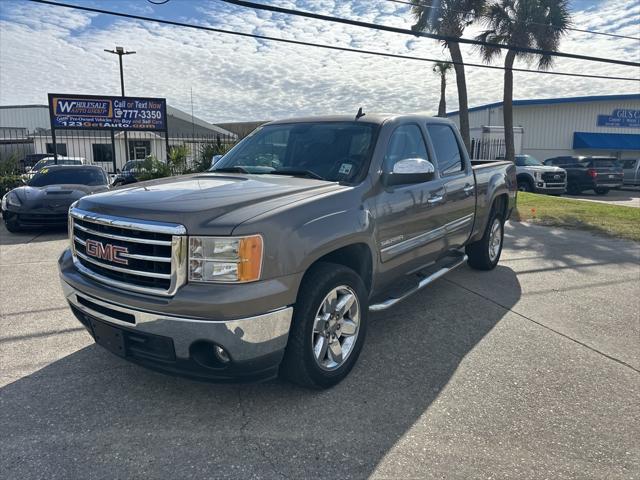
(556,177)
(108,252)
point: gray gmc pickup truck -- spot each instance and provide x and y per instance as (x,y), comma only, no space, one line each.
(270,262)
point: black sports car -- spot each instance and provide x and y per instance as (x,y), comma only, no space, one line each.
(46,197)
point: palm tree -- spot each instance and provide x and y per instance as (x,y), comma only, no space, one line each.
(450,17)
(441,68)
(523,23)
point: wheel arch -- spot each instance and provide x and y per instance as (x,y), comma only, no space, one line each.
(356,256)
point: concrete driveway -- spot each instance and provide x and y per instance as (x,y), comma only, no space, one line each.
(626,197)
(529,371)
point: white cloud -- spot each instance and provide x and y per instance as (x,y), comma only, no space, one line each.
(46,49)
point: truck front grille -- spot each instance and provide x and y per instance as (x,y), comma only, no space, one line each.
(553,177)
(141,256)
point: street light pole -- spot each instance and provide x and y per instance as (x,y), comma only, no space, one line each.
(120,51)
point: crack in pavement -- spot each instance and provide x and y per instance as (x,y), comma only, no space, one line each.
(593,349)
(247,440)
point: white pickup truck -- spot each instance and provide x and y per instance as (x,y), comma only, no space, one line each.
(534,176)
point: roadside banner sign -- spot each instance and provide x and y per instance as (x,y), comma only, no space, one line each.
(90,112)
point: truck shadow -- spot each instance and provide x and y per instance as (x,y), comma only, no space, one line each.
(93,415)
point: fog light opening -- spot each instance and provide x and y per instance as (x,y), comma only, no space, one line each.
(221,354)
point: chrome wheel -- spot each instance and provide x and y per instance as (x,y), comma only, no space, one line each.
(335,327)
(495,239)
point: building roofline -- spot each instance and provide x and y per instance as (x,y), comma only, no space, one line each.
(25,106)
(551,101)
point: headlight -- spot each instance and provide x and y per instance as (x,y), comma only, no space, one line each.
(225,259)
(10,199)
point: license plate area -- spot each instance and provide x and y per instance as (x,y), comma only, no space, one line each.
(109,337)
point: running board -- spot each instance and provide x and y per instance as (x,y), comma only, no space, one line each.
(390,302)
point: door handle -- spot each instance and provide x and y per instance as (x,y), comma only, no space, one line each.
(469,188)
(435,199)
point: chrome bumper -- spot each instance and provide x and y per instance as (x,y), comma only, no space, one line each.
(245,339)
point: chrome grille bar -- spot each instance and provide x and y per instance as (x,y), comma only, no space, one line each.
(113,236)
(166,276)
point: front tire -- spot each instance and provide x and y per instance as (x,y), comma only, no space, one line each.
(328,328)
(485,253)
(12,226)
(601,191)
(525,185)
(573,189)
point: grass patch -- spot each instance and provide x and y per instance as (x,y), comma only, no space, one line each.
(614,220)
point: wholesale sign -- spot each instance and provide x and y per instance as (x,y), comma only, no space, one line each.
(620,117)
(107,113)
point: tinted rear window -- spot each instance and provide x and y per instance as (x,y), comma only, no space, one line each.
(603,162)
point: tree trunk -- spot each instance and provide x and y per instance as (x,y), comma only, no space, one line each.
(463,105)
(507,105)
(442,107)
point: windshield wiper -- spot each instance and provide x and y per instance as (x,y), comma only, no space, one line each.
(297,173)
(231,170)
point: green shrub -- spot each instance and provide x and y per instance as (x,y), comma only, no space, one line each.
(178,159)
(207,151)
(9,165)
(9,182)
(153,168)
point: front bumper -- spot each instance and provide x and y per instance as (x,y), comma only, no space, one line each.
(185,346)
(551,188)
(36,218)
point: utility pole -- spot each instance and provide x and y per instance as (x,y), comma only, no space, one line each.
(120,51)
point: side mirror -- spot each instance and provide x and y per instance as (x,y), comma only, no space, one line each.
(215,159)
(409,170)
(118,171)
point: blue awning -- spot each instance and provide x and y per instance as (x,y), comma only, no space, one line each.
(606,141)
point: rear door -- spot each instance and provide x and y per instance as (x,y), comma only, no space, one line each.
(459,183)
(630,171)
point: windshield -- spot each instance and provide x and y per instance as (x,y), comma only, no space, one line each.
(527,161)
(333,151)
(132,165)
(50,161)
(68,176)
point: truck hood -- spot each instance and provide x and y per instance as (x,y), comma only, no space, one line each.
(208,203)
(544,168)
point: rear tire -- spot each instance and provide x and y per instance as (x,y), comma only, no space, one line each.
(601,191)
(312,357)
(485,253)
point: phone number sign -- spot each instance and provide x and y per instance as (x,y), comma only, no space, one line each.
(107,113)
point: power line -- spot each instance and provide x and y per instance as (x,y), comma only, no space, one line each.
(616,35)
(444,38)
(317,45)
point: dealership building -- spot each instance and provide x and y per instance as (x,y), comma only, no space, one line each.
(595,125)
(26,130)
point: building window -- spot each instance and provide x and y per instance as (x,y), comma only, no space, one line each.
(102,152)
(61,147)
(139,149)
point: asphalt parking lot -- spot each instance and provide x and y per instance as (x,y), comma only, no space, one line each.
(626,197)
(529,371)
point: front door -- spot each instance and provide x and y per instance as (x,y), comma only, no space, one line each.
(409,217)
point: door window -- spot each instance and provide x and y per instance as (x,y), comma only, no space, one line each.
(447,150)
(406,142)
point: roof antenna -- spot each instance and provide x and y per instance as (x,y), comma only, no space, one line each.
(360,113)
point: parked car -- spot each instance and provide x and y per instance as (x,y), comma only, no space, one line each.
(49,161)
(46,198)
(599,174)
(29,161)
(534,176)
(630,172)
(270,262)
(129,174)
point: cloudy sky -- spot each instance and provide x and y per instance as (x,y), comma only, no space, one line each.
(51,49)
